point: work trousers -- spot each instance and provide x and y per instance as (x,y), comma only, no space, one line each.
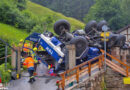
(31,75)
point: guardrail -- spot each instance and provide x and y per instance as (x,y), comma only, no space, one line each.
(79,71)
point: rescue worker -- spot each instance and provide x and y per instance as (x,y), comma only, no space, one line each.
(25,48)
(35,59)
(20,43)
(29,62)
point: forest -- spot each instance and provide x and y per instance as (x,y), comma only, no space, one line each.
(115,12)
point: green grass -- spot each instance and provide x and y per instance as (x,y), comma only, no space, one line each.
(13,35)
(41,11)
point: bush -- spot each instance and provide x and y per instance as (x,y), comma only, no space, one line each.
(4,74)
(10,14)
(21,4)
(38,29)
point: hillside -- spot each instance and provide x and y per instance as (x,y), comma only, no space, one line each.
(72,8)
(11,34)
(41,11)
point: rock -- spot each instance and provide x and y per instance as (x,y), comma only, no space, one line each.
(82,85)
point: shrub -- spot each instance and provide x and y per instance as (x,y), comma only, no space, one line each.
(10,14)
(5,75)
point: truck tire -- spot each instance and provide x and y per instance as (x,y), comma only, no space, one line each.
(111,40)
(100,24)
(120,41)
(89,27)
(80,43)
(61,25)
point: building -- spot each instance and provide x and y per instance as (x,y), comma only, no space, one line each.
(125,31)
(123,54)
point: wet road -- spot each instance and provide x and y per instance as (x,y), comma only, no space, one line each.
(43,81)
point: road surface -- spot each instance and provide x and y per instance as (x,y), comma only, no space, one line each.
(43,81)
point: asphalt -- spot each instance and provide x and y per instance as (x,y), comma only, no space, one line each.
(43,81)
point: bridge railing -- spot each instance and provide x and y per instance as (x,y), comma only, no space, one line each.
(87,67)
(79,71)
(127,73)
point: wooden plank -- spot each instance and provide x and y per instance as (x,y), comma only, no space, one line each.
(85,73)
(81,74)
(89,69)
(63,82)
(85,79)
(67,71)
(77,75)
(112,63)
(83,70)
(127,71)
(116,69)
(68,81)
(86,69)
(115,59)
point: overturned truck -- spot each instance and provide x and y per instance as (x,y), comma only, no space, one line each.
(87,43)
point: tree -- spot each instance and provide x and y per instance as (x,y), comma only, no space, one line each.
(126,10)
(21,4)
(71,8)
(109,10)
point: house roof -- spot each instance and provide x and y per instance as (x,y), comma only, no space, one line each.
(123,29)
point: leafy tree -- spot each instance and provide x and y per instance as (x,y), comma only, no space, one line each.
(110,10)
(21,4)
(71,8)
(11,14)
(38,29)
(125,6)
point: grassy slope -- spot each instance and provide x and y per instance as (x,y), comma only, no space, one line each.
(12,34)
(41,11)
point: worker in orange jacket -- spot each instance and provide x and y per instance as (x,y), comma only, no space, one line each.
(29,62)
(25,49)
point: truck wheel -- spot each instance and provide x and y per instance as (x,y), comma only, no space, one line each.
(80,43)
(111,41)
(61,25)
(100,24)
(120,41)
(89,27)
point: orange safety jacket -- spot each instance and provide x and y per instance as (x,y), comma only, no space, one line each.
(25,49)
(29,62)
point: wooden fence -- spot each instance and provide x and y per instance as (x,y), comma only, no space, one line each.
(87,67)
(123,68)
(80,71)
